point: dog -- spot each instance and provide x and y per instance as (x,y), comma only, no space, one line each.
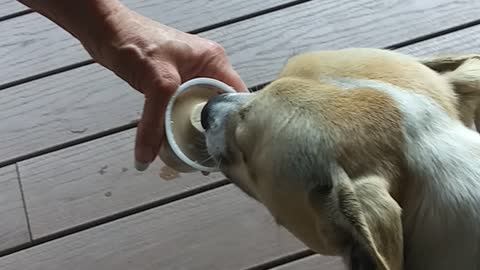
(367,154)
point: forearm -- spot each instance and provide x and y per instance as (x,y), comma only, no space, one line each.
(87,20)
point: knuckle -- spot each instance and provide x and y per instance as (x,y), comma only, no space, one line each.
(164,85)
(215,49)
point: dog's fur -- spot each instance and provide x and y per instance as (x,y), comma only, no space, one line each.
(363,153)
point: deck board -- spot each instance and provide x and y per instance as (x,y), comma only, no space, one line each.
(315,262)
(59,109)
(94,183)
(73,171)
(13,224)
(8,7)
(66,188)
(219,229)
(31,44)
(466,41)
(74,186)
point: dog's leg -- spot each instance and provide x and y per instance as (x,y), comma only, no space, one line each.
(463,72)
(365,209)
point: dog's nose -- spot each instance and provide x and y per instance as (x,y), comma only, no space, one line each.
(207,110)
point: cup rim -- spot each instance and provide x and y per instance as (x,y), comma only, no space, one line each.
(168,118)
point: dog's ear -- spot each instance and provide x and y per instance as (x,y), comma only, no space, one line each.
(447,63)
(366,211)
(463,72)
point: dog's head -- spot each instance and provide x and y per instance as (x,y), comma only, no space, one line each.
(319,177)
(325,153)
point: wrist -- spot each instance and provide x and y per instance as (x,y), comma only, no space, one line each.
(99,25)
(86,20)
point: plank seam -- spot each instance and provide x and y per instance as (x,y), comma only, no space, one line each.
(116,216)
(24,202)
(283,260)
(16,14)
(88,138)
(193,32)
(435,34)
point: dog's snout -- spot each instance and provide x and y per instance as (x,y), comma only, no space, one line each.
(207,110)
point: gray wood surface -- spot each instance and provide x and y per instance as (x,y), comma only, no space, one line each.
(31,44)
(88,100)
(315,262)
(466,41)
(219,229)
(93,180)
(13,224)
(69,187)
(7,7)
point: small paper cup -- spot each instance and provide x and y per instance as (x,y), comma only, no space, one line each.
(182,153)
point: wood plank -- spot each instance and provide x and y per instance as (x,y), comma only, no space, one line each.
(466,41)
(7,7)
(13,224)
(219,229)
(333,25)
(94,180)
(77,161)
(64,107)
(65,187)
(315,262)
(31,44)
(59,109)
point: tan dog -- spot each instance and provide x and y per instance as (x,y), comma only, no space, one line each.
(360,153)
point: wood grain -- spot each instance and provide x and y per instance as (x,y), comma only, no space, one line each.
(13,224)
(94,180)
(219,229)
(64,107)
(461,42)
(7,7)
(70,187)
(315,262)
(31,44)
(88,100)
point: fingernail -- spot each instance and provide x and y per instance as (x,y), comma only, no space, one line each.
(140,166)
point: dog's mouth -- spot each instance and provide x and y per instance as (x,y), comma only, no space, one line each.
(217,118)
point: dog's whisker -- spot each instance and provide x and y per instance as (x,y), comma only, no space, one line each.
(207,159)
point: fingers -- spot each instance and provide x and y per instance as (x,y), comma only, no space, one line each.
(222,70)
(229,76)
(150,130)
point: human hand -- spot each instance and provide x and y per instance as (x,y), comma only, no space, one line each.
(155,59)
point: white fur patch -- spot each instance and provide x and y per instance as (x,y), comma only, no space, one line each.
(442,225)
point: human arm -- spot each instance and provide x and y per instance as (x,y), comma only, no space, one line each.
(153,58)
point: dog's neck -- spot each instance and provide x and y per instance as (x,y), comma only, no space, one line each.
(443,169)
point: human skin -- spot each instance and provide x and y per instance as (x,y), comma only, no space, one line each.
(151,57)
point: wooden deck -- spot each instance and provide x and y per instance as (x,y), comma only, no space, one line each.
(69,195)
